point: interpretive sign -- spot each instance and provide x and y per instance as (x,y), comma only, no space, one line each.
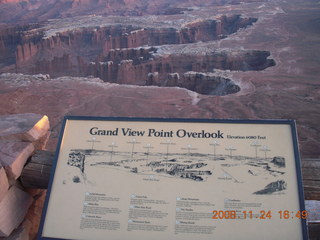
(130,179)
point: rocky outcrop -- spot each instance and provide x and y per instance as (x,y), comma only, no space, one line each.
(13,157)
(20,135)
(26,127)
(13,208)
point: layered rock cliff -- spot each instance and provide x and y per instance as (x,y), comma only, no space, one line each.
(121,53)
(86,44)
(140,62)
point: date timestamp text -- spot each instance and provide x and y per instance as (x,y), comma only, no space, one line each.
(262,214)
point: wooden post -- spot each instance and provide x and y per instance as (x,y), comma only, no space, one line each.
(36,173)
(311,178)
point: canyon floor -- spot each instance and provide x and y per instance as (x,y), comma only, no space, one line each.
(290,89)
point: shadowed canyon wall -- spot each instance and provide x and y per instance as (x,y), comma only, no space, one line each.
(10,39)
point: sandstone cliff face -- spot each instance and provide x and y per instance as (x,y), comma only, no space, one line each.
(88,43)
(10,38)
(115,53)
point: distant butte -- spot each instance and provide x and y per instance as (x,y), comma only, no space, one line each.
(199,59)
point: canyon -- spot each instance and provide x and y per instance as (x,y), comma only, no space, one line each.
(129,54)
(200,59)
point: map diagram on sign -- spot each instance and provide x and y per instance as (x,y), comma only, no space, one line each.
(189,164)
